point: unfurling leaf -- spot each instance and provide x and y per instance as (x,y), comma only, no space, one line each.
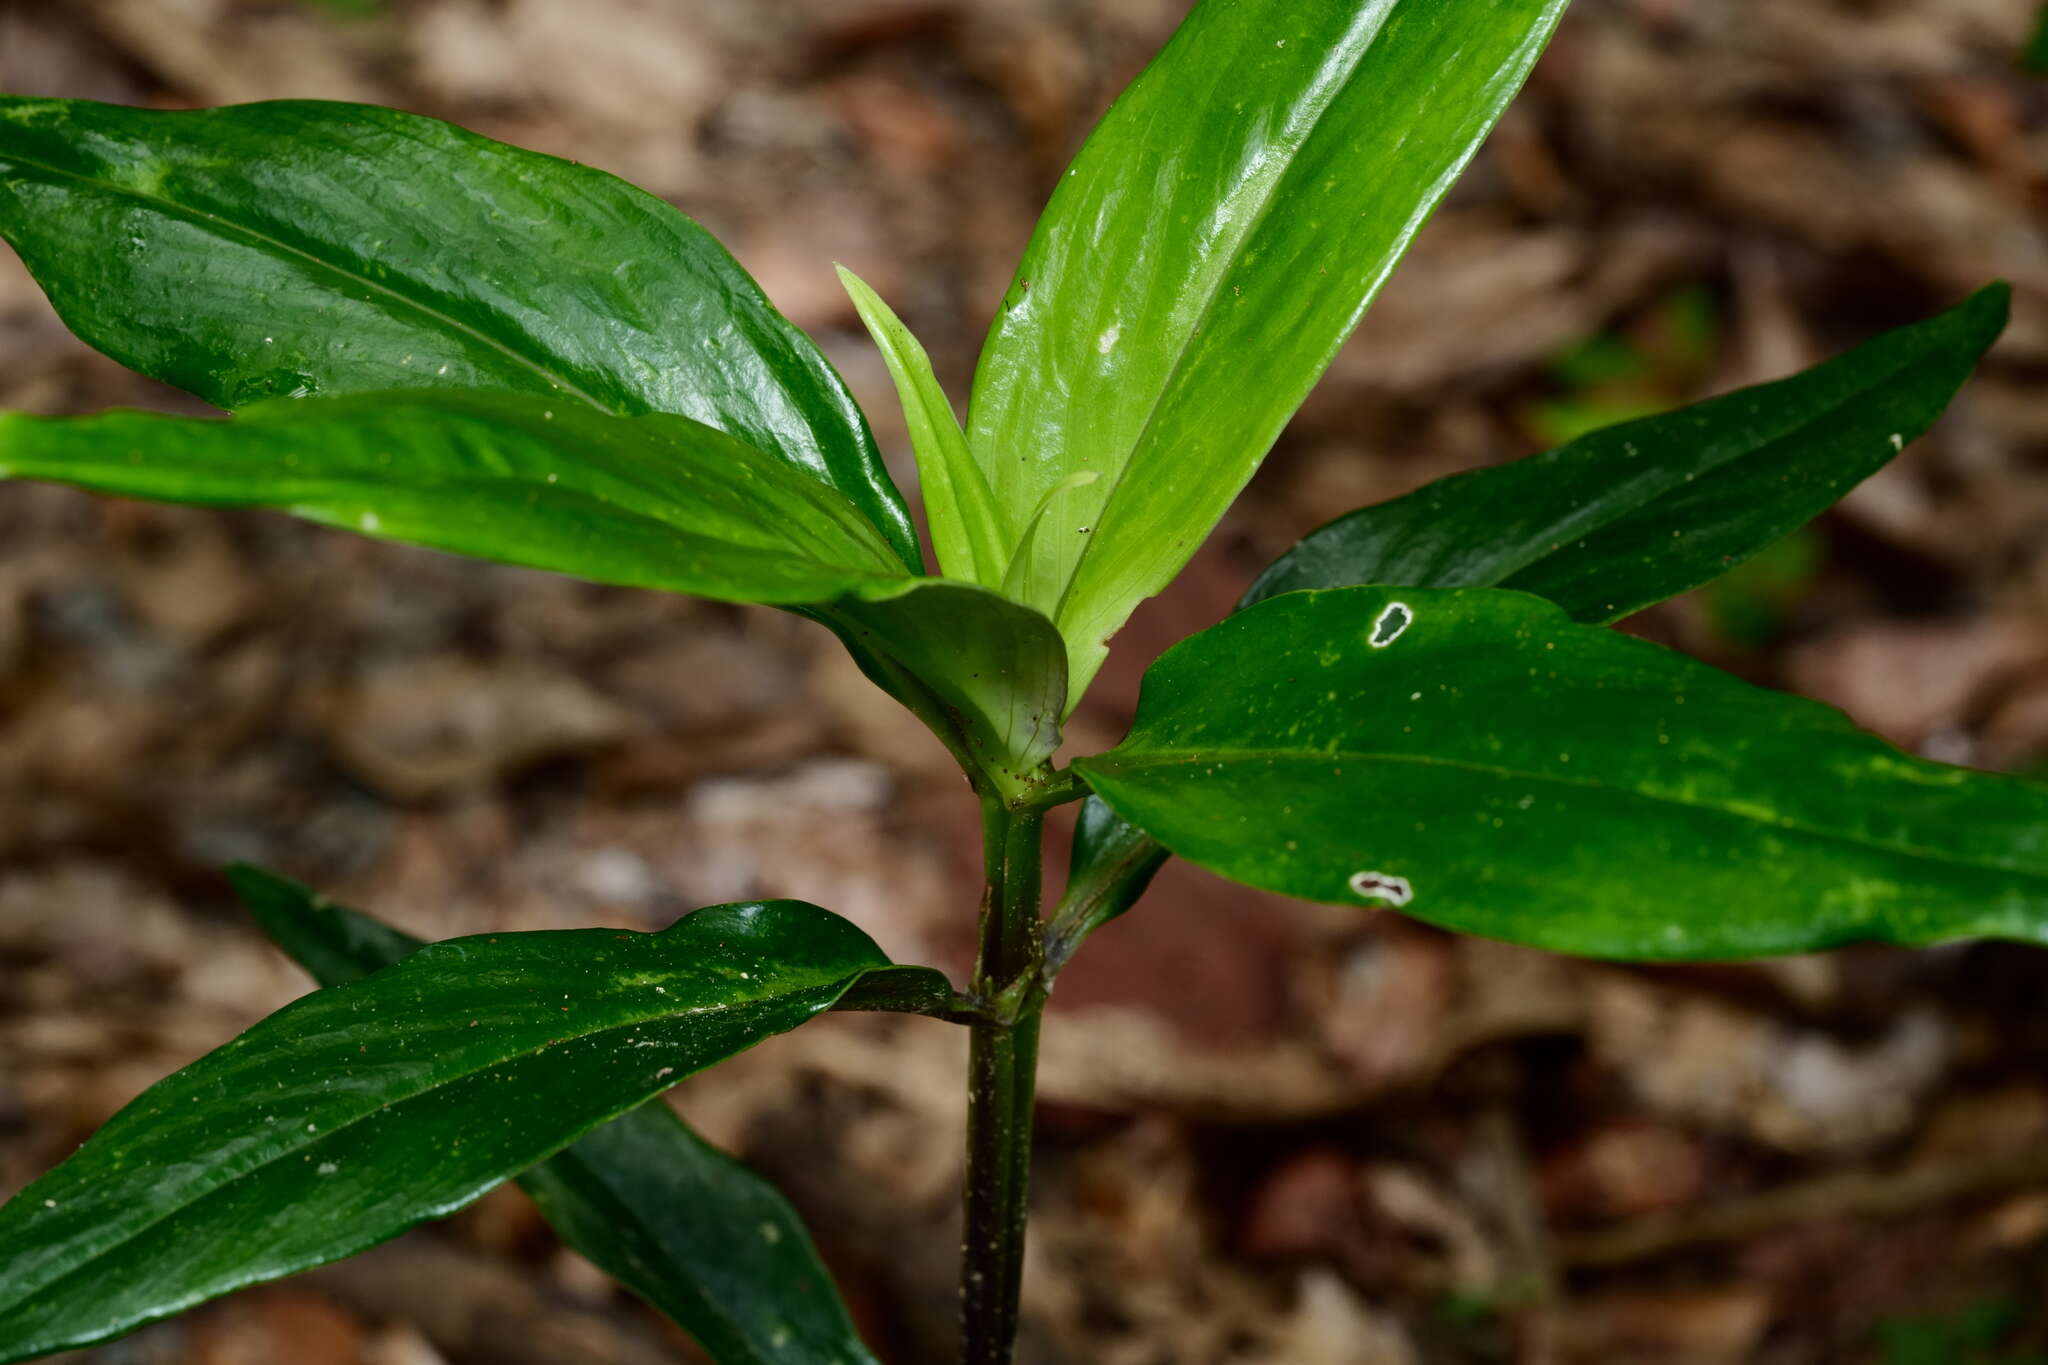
(966,532)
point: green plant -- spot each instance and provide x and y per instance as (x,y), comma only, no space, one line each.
(427,336)
(1973,1335)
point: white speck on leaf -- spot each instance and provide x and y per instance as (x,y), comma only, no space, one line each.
(1898,443)
(771,1234)
(1106,343)
(664,1072)
(327,1168)
(1393,620)
(1383,886)
(368,521)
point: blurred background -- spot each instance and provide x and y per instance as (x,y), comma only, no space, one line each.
(1271,1132)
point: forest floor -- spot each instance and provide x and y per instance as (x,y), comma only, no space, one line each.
(1271,1132)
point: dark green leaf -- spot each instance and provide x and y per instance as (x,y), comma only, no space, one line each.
(700,1237)
(1477,758)
(683,1225)
(1113,862)
(336,945)
(300,247)
(651,501)
(1636,513)
(1215,242)
(361,1110)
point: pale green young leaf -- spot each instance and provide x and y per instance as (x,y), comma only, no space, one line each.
(1218,237)
(1017,577)
(966,532)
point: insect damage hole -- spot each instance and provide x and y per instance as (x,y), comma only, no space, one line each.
(1395,618)
(1382,886)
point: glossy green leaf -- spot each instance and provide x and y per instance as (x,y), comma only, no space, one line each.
(301,247)
(680,1223)
(987,675)
(358,1111)
(1218,237)
(1113,861)
(1480,760)
(650,501)
(1635,513)
(336,945)
(966,532)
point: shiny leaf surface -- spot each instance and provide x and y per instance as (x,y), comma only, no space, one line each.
(966,532)
(1478,759)
(1113,861)
(302,247)
(1218,237)
(1635,513)
(652,501)
(358,1111)
(987,675)
(680,1223)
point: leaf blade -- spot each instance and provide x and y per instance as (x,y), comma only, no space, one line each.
(966,534)
(351,1114)
(654,501)
(302,247)
(1638,512)
(635,1196)
(649,501)
(1112,864)
(1160,266)
(986,674)
(1498,769)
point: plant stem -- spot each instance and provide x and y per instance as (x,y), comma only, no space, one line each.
(1002,1075)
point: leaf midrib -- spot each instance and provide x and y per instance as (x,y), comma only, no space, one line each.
(327,1134)
(1143,758)
(173,208)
